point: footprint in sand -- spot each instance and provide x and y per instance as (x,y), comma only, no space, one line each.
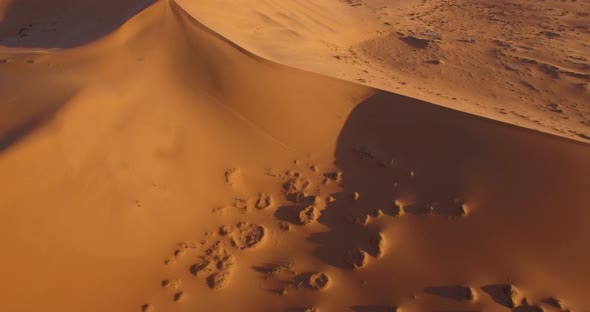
(355,258)
(245,235)
(231,176)
(376,245)
(554,302)
(526,307)
(178,296)
(171,284)
(216,263)
(318,281)
(502,294)
(313,280)
(218,280)
(263,201)
(307,215)
(334,176)
(294,189)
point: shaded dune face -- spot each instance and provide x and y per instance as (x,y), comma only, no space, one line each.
(513,198)
(63,24)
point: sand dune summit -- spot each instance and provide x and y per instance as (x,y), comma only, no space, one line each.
(148,163)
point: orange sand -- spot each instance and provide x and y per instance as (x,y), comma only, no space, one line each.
(149,164)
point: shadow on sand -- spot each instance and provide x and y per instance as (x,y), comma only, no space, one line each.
(64,23)
(24,115)
(402,155)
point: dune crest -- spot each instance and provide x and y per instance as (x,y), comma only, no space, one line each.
(512,61)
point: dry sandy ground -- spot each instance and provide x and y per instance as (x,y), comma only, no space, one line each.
(149,164)
(524,62)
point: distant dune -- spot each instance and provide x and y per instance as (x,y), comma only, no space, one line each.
(150,164)
(523,62)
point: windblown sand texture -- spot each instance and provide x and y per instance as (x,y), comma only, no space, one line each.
(204,156)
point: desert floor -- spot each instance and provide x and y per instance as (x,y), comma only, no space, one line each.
(294,155)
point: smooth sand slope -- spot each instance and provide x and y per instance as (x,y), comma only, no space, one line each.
(160,167)
(524,62)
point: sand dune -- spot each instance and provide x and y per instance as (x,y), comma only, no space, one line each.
(523,62)
(153,165)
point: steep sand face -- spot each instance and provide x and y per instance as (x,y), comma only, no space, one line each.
(164,168)
(150,118)
(523,62)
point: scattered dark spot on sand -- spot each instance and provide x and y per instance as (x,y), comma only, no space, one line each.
(550,70)
(550,34)
(178,296)
(467,40)
(529,86)
(178,253)
(147,308)
(555,108)
(415,42)
(511,67)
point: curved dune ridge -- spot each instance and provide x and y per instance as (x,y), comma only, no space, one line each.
(157,166)
(523,62)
